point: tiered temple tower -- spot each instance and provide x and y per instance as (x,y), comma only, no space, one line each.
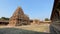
(19,18)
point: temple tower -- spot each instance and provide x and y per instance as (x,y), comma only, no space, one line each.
(19,18)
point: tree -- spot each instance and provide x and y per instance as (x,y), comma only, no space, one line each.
(46,19)
(4,18)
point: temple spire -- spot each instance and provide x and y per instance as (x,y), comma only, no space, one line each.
(18,11)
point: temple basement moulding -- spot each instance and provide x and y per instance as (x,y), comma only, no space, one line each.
(19,18)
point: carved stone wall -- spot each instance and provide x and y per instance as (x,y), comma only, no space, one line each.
(55,18)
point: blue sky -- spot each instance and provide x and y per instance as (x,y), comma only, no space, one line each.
(35,9)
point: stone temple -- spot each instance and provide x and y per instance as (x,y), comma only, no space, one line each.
(19,18)
(55,18)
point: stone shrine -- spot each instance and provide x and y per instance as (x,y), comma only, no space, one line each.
(19,18)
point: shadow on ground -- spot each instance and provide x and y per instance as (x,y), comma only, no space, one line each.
(18,31)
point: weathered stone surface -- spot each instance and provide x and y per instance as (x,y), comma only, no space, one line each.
(55,18)
(19,18)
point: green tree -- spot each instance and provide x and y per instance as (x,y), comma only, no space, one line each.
(4,18)
(46,19)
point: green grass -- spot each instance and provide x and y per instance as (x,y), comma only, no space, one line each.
(18,31)
(27,29)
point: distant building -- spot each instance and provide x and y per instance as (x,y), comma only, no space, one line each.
(19,18)
(48,22)
(38,22)
(4,22)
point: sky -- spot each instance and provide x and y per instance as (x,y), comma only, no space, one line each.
(35,9)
